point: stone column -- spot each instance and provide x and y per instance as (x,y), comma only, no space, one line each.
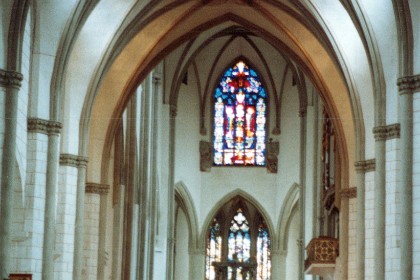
(51,199)
(171,198)
(11,81)
(80,211)
(361,168)
(302,195)
(380,133)
(406,86)
(91,230)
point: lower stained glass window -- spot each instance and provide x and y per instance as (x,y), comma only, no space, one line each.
(239,118)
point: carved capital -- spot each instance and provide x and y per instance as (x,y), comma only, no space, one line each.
(54,127)
(365,165)
(73,160)
(393,131)
(387,132)
(10,78)
(349,193)
(206,156)
(408,84)
(96,188)
(36,125)
(380,133)
(47,127)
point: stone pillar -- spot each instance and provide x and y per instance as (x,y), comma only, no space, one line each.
(302,195)
(51,199)
(171,198)
(66,216)
(380,133)
(91,231)
(11,81)
(406,86)
(81,163)
(361,168)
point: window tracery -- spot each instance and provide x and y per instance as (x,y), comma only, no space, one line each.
(239,118)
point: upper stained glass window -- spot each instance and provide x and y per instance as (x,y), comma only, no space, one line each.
(240,118)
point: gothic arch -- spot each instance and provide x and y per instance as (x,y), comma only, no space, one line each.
(183,197)
(247,197)
(286,212)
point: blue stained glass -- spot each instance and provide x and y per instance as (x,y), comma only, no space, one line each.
(241,94)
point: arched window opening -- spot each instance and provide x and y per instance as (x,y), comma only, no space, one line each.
(240,118)
(245,252)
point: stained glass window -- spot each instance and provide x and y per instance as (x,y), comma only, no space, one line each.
(239,242)
(214,248)
(263,253)
(240,118)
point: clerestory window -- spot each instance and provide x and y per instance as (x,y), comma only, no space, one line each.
(240,112)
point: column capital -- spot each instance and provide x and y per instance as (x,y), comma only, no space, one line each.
(10,78)
(380,133)
(73,160)
(387,132)
(408,84)
(364,166)
(47,127)
(96,188)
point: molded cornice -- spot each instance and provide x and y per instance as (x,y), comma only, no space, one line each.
(73,160)
(387,132)
(365,165)
(44,126)
(409,84)
(349,193)
(10,78)
(96,188)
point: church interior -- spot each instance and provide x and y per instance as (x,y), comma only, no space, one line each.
(210,139)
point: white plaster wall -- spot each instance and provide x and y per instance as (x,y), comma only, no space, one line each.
(292,258)
(392,250)
(65,222)
(187,138)
(369,224)
(181,247)
(90,237)
(416,187)
(351,48)
(415,11)
(88,50)
(380,15)
(352,263)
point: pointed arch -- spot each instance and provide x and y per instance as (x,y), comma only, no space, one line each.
(286,213)
(183,197)
(245,196)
